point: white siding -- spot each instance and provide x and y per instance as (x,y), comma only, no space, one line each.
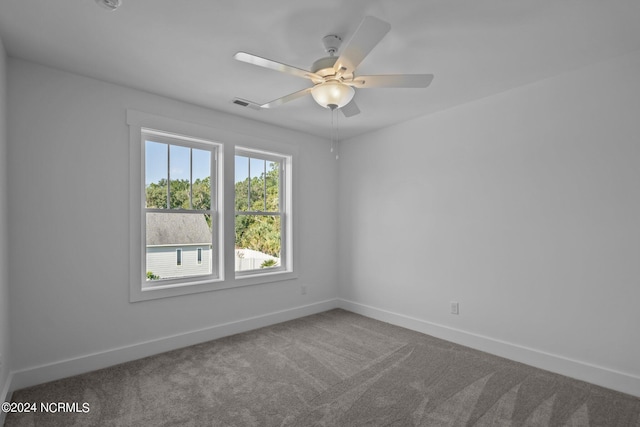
(161,261)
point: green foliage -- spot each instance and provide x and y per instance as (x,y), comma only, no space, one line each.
(257,185)
(268,263)
(259,232)
(151,276)
(156,194)
(201,194)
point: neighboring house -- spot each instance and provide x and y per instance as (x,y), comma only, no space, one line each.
(178,245)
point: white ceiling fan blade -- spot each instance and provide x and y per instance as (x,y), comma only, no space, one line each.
(369,33)
(391,80)
(277,66)
(351,109)
(287,98)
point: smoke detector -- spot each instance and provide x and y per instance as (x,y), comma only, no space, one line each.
(109,4)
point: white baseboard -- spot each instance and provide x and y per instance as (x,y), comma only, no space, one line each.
(91,362)
(605,377)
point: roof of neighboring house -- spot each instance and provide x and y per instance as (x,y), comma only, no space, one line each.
(177,229)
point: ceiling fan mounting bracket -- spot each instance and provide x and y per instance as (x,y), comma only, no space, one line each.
(331,43)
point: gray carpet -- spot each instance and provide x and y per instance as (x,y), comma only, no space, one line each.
(331,369)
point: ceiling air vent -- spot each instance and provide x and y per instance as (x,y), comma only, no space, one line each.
(109,4)
(244,103)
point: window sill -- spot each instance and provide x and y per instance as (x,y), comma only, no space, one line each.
(259,278)
(177,289)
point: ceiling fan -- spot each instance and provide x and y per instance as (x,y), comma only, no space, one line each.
(333,76)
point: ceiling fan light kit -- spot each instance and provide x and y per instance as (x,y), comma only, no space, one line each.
(333,76)
(332,94)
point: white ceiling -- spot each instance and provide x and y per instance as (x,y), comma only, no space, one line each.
(184,49)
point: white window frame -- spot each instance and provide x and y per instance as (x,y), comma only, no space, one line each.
(173,140)
(177,133)
(227,141)
(285,210)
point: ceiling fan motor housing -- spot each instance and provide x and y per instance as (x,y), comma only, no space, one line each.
(324,66)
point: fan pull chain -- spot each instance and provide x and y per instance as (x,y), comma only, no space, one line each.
(334,132)
(337,135)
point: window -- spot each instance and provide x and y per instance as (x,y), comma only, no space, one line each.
(183,240)
(180,218)
(262,217)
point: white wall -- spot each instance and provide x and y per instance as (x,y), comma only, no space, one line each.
(69,172)
(4,275)
(524,207)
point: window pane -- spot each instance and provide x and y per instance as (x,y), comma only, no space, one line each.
(257,184)
(273,186)
(173,240)
(179,171)
(201,187)
(258,239)
(242,183)
(155,174)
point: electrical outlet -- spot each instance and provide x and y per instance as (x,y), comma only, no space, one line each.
(455,309)
(303,290)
